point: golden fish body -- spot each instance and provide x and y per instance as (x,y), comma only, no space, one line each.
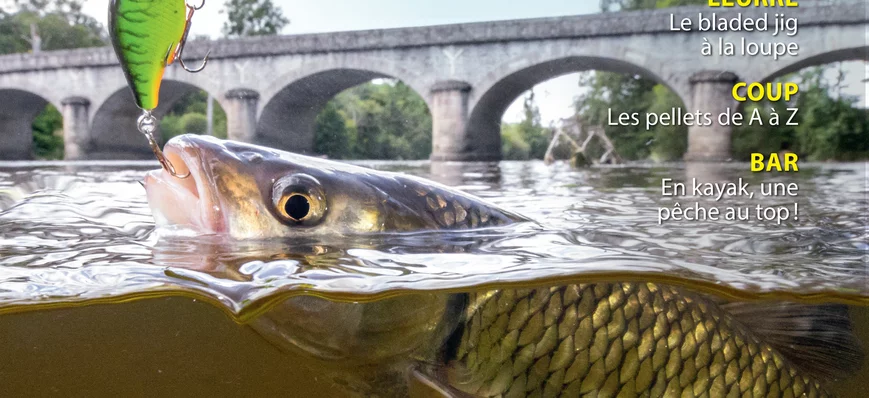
(615,340)
(597,340)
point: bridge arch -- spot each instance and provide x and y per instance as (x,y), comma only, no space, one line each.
(494,94)
(20,107)
(113,126)
(290,105)
(839,55)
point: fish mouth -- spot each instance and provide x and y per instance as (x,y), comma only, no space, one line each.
(190,202)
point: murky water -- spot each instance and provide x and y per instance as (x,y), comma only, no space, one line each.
(76,236)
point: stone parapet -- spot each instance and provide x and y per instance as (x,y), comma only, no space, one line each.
(569,27)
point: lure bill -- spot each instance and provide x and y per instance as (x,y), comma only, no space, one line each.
(147,35)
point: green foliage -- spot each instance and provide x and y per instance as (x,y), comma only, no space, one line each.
(382,121)
(619,5)
(527,139)
(48,134)
(72,8)
(60,25)
(188,116)
(170,126)
(193,123)
(513,144)
(618,93)
(670,142)
(253,18)
(333,138)
(762,137)
(830,125)
(11,35)
(532,130)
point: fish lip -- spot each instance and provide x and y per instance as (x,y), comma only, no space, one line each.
(186,157)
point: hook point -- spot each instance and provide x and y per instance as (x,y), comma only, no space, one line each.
(197,69)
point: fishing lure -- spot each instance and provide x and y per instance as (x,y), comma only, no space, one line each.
(148,36)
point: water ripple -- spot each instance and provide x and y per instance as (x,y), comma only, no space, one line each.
(85,233)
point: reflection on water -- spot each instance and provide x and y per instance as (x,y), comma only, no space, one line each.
(82,233)
(73,233)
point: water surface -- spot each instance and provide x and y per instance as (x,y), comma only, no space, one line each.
(73,232)
(77,239)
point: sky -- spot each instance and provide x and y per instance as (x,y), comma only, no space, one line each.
(554,97)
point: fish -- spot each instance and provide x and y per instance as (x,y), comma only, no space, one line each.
(603,339)
(146,36)
(646,339)
(246,191)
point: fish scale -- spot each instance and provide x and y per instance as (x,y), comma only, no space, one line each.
(455,212)
(615,340)
(603,339)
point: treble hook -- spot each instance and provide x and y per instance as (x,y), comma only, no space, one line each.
(199,7)
(180,53)
(199,69)
(147,124)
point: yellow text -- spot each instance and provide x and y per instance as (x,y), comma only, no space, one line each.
(774,162)
(753,3)
(758,91)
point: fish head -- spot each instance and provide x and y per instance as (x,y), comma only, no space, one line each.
(249,192)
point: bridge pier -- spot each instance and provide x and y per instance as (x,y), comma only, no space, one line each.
(241,114)
(76,130)
(711,92)
(451,139)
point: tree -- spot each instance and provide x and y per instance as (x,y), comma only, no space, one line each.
(332,137)
(621,93)
(193,123)
(59,24)
(625,5)
(253,18)
(763,138)
(533,131)
(47,134)
(187,115)
(392,122)
(829,124)
(382,120)
(513,144)
(830,127)
(669,142)
(618,93)
(527,139)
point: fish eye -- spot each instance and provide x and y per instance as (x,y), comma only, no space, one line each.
(296,206)
(299,200)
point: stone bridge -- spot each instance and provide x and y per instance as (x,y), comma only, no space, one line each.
(272,88)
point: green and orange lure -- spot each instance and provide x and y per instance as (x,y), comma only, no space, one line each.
(148,36)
